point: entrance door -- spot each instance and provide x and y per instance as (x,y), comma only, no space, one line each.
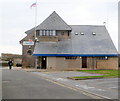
(84,62)
(44,62)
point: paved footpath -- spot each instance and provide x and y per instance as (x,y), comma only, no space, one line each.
(106,88)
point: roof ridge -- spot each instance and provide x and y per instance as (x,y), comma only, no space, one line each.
(86,25)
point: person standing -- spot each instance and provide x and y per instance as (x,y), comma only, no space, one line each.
(10,63)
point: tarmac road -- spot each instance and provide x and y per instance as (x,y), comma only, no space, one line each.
(18,84)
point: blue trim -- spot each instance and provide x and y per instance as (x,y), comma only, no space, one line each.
(89,55)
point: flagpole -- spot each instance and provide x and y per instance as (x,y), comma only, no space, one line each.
(35,32)
(35,20)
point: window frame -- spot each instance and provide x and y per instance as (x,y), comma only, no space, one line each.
(62,33)
(37,32)
(47,33)
(41,32)
(102,58)
(70,57)
(54,33)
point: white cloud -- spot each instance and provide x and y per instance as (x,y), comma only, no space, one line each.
(11,49)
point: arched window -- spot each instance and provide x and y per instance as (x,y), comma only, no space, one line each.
(29,52)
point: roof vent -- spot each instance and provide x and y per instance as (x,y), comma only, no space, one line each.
(94,33)
(76,33)
(82,33)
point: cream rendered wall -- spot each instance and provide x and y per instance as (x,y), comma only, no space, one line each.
(60,63)
(51,62)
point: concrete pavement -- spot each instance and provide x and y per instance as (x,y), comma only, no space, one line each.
(106,88)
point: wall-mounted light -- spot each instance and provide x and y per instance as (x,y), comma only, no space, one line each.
(36,39)
(106,57)
(29,47)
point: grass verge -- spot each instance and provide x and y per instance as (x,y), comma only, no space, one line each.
(104,74)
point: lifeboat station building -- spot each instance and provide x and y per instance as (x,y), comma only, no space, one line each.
(59,46)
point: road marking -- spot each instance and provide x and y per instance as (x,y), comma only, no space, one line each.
(87,93)
(101,90)
(113,87)
(5,81)
(61,79)
(85,86)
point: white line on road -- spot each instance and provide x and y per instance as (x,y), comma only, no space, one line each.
(87,87)
(61,79)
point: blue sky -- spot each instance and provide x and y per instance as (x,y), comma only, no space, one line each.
(17,17)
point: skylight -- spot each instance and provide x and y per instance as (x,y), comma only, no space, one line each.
(82,33)
(94,33)
(76,33)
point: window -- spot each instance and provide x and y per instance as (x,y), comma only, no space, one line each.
(103,58)
(40,32)
(46,33)
(51,32)
(54,33)
(29,52)
(43,32)
(37,32)
(71,57)
(62,33)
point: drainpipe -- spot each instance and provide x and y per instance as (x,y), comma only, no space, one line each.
(36,62)
(92,62)
(35,58)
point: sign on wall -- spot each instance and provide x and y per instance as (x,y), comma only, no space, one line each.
(30,42)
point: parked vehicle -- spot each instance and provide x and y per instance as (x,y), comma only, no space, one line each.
(19,65)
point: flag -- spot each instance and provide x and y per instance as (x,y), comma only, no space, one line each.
(30,40)
(33,5)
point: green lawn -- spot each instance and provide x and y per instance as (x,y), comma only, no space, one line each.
(105,74)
